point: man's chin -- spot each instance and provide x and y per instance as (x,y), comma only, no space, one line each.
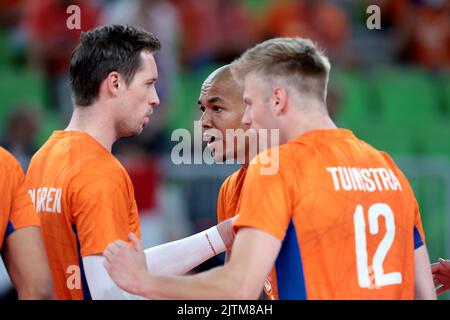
(222,158)
(132,133)
(217,157)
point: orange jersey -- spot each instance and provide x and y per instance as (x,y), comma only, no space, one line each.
(346,215)
(85,201)
(16,209)
(229,194)
(227,203)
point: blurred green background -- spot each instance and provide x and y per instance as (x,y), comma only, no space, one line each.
(391,86)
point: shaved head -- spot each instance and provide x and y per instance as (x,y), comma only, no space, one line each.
(222,82)
(219,72)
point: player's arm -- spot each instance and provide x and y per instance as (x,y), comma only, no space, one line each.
(101,286)
(253,256)
(181,256)
(174,258)
(26,262)
(423,280)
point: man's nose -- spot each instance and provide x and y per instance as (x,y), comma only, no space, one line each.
(206,121)
(154,100)
(246,118)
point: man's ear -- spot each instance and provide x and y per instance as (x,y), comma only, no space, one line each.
(279,100)
(114,83)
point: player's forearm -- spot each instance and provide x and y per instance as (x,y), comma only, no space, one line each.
(30,284)
(218,283)
(181,256)
(26,261)
(423,279)
(36,293)
(101,286)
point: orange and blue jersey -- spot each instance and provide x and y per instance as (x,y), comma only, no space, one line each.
(227,204)
(16,209)
(85,200)
(346,216)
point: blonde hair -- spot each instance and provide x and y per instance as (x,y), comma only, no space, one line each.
(296,60)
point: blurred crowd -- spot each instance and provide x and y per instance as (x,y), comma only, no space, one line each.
(195,35)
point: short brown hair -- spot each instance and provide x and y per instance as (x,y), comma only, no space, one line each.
(103,50)
(296,58)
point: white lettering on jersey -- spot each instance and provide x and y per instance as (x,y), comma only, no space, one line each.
(363,179)
(46,199)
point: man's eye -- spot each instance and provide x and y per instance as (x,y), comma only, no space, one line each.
(216,109)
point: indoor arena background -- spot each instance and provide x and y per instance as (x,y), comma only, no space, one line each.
(391,86)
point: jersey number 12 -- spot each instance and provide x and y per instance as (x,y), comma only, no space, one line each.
(381,279)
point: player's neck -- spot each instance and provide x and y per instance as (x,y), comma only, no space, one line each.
(88,119)
(302,124)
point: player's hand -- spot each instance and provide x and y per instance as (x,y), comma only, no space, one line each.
(441,275)
(126,264)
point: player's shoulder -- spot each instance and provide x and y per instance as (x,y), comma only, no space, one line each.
(394,167)
(106,171)
(229,184)
(311,143)
(78,150)
(231,179)
(287,151)
(5,156)
(383,159)
(229,194)
(279,159)
(388,159)
(377,155)
(10,171)
(292,150)
(8,164)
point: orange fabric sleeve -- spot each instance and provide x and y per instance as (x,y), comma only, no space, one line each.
(222,201)
(265,203)
(22,211)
